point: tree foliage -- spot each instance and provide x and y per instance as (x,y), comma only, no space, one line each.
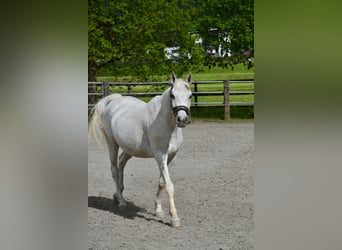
(227,31)
(131,37)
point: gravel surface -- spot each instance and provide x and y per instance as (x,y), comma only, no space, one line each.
(213,178)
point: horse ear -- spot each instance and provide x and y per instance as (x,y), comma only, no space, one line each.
(173,77)
(189,78)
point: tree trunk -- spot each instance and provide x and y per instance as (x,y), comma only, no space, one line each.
(92,70)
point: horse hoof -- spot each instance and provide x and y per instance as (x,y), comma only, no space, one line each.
(115,198)
(175,222)
(122,204)
(160,214)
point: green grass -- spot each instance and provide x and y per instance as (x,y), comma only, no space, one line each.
(239,72)
(215,113)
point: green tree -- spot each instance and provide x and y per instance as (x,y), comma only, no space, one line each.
(227,26)
(134,34)
(102,45)
(131,37)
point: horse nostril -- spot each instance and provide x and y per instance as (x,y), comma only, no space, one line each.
(182,119)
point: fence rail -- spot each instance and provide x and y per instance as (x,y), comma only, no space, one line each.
(105,90)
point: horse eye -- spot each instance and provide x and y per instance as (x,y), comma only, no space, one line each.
(172,96)
(190,96)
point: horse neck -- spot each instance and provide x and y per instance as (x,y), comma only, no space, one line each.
(166,110)
(160,111)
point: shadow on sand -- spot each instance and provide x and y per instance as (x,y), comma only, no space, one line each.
(131,211)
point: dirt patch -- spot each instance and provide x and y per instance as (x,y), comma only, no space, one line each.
(213,178)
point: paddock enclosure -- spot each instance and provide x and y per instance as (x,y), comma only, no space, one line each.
(213,178)
(222,94)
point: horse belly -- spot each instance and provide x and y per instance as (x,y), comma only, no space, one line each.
(136,147)
(129,135)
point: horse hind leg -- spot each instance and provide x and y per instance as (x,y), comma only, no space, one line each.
(113,150)
(123,158)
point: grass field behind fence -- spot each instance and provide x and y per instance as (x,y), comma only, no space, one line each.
(204,113)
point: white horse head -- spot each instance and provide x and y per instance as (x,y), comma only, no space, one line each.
(180,95)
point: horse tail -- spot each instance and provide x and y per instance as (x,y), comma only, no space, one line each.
(96,126)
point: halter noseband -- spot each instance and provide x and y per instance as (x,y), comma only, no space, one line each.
(178,108)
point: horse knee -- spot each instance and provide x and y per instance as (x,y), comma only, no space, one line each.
(170,189)
(161,183)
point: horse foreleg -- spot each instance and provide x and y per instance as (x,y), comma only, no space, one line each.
(162,162)
(175,221)
(161,186)
(159,209)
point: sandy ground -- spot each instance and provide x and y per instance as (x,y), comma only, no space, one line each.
(213,178)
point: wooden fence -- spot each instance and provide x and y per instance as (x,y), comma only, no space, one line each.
(102,89)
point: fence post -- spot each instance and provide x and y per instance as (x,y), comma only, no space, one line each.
(226,100)
(105,88)
(196,97)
